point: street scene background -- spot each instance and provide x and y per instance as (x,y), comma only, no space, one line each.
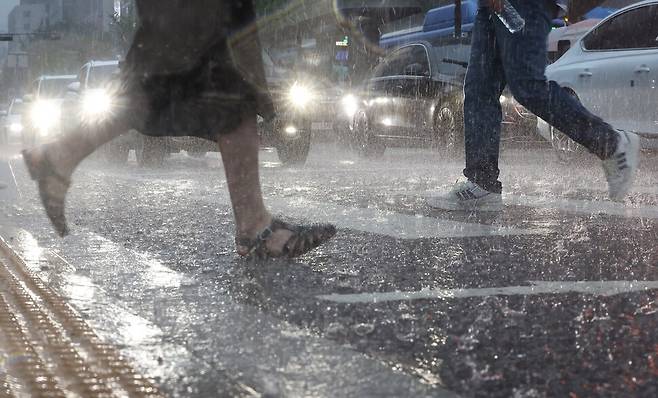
(555,295)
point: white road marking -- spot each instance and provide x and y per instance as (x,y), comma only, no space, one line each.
(234,338)
(389,223)
(645,189)
(595,288)
(574,206)
(582,206)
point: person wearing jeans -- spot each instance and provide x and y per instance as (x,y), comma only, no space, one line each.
(518,60)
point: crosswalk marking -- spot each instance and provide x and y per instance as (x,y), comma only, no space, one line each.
(596,288)
(573,206)
(390,223)
(582,206)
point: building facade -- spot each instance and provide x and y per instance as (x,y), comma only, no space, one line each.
(96,13)
(52,10)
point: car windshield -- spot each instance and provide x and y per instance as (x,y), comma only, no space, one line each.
(54,88)
(101,74)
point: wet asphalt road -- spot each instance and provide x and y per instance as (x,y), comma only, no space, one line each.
(405,301)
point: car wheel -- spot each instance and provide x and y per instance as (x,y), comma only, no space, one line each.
(364,141)
(447,130)
(294,151)
(150,151)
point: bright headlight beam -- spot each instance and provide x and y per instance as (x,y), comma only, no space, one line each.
(45,114)
(15,127)
(300,95)
(290,130)
(350,105)
(96,104)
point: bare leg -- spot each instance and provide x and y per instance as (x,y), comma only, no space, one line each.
(66,153)
(51,165)
(240,156)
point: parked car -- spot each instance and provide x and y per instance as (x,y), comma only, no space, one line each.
(12,122)
(613,71)
(415,96)
(561,39)
(44,102)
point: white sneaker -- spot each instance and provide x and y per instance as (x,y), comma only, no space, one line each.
(467,195)
(621,166)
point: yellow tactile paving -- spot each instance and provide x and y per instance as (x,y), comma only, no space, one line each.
(47,350)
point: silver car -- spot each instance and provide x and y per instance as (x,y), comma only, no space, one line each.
(613,70)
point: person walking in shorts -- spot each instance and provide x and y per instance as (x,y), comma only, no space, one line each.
(194,68)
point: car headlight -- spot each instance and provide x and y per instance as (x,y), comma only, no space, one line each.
(300,95)
(290,130)
(350,105)
(15,127)
(45,114)
(96,104)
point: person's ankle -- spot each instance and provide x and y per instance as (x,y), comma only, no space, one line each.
(254,226)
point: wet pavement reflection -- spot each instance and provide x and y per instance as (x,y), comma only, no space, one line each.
(557,295)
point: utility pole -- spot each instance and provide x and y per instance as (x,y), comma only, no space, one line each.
(458,18)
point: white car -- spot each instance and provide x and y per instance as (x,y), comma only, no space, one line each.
(43,113)
(12,122)
(87,99)
(613,70)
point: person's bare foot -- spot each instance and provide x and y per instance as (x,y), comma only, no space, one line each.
(279,239)
(53,186)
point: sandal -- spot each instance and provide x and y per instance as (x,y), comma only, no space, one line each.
(52,188)
(304,239)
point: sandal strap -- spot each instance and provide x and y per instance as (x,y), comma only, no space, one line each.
(303,239)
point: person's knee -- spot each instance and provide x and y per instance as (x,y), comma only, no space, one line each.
(529,93)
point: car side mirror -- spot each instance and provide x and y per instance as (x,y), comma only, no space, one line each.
(73,87)
(28,98)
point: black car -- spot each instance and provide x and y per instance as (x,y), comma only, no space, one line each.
(300,100)
(414,96)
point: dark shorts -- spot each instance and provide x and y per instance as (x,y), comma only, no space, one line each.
(194,68)
(210,99)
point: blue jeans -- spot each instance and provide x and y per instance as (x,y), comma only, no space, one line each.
(500,58)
